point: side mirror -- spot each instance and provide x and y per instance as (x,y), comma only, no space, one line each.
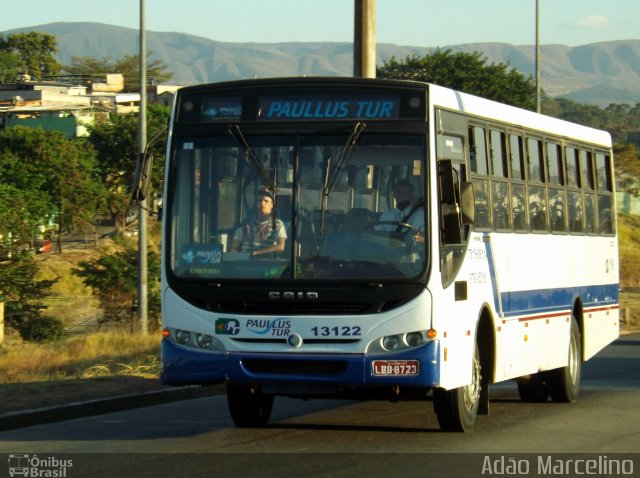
(142,178)
(457,203)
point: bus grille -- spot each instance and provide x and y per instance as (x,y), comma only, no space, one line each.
(295,367)
(293,308)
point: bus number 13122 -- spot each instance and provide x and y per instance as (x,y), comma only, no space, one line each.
(344,331)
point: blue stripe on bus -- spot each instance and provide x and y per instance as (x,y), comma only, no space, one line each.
(540,301)
(492,271)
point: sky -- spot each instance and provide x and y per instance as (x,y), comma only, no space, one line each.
(425,23)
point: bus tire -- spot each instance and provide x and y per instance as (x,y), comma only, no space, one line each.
(457,409)
(534,390)
(248,406)
(564,383)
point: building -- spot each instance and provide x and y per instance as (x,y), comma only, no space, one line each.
(72,102)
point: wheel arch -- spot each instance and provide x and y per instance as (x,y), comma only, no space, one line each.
(486,339)
(577,312)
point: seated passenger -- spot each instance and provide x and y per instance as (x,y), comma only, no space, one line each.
(406,211)
(261,234)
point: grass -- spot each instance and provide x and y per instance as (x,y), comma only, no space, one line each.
(85,356)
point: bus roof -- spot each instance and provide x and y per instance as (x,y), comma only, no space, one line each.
(492,110)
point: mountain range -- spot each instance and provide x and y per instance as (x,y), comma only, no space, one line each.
(597,73)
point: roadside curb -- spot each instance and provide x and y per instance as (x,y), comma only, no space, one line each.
(40,416)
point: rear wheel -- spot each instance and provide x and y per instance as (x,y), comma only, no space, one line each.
(534,390)
(248,406)
(564,383)
(457,409)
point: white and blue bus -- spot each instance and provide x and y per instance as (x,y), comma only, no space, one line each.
(500,263)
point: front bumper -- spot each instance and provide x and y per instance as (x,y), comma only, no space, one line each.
(181,366)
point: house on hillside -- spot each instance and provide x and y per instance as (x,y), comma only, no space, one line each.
(71,102)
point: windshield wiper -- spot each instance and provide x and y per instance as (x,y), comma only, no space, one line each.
(236,133)
(330,181)
(342,159)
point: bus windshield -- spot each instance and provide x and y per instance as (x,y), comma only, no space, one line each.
(262,206)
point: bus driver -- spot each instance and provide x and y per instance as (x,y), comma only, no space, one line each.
(261,234)
(406,211)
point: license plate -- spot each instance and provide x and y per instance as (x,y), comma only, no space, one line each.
(394,368)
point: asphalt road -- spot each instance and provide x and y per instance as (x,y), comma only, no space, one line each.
(329,438)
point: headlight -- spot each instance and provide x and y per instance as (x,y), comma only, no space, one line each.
(391,342)
(203,341)
(183,337)
(399,342)
(413,338)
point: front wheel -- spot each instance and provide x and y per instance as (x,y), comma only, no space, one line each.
(248,406)
(457,409)
(564,383)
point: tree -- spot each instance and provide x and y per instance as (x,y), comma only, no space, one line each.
(129,66)
(627,167)
(116,142)
(61,172)
(114,278)
(19,289)
(9,67)
(35,50)
(467,72)
(21,213)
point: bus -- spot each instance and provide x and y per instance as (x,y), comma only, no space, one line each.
(506,270)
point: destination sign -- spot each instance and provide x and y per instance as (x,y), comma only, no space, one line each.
(328,107)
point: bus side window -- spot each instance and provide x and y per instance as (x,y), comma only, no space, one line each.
(554,164)
(576,211)
(535,158)
(575,206)
(481,193)
(586,170)
(590,213)
(500,205)
(557,208)
(605,188)
(573,168)
(603,172)
(517,156)
(538,208)
(498,154)
(478,150)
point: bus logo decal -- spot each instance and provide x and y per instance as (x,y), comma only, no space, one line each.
(277,327)
(227,327)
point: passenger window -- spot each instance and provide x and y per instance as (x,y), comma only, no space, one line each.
(478,152)
(518,207)
(537,208)
(586,169)
(603,172)
(517,156)
(534,151)
(498,154)
(500,203)
(576,211)
(590,213)
(481,192)
(557,208)
(605,214)
(554,164)
(573,168)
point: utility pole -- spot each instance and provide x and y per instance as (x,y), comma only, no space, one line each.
(142,211)
(537,67)
(364,39)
